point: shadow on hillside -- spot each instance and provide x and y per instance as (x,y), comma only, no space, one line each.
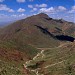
(59,37)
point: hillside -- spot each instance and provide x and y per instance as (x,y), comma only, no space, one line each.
(25,30)
(22,40)
(53,61)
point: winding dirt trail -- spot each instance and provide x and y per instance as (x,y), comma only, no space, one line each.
(55,64)
(42,54)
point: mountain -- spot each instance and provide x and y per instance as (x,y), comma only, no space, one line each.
(22,40)
(26,29)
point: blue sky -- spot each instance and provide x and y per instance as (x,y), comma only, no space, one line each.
(11,10)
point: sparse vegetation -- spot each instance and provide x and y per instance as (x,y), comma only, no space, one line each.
(23,43)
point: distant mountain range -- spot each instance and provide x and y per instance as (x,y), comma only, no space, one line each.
(22,40)
(3,24)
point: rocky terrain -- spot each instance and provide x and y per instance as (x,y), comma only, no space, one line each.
(38,45)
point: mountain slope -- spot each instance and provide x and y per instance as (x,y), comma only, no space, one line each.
(54,61)
(21,41)
(25,36)
(25,30)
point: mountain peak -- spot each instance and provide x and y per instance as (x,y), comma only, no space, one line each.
(43,15)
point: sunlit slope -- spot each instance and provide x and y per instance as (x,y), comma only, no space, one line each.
(22,41)
(55,61)
(25,31)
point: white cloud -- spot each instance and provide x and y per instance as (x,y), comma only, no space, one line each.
(20,1)
(72,10)
(48,10)
(51,9)
(11,10)
(30,6)
(5,8)
(61,8)
(13,15)
(1,0)
(37,6)
(19,16)
(22,15)
(41,5)
(73,7)
(31,0)
(21,10)
(3,15)
(34,9)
